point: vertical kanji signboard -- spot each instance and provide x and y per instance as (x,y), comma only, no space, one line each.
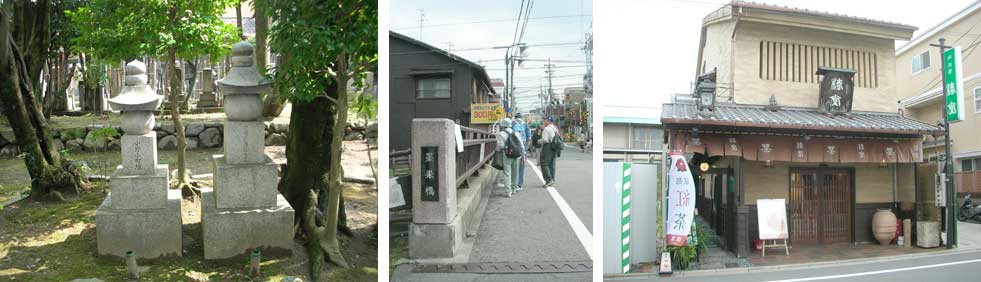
(681,204)
(430,174)
(953,84)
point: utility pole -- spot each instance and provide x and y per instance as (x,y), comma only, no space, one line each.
(541,99)
(951,206)
(549,71)
(422,18)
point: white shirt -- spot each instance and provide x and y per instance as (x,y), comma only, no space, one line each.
(548,134)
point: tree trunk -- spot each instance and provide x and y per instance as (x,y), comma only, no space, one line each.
(335,176)
(175,113)
(193,67)
(272,104)
(261,37)
(308,149)
(50,174)
(238,19)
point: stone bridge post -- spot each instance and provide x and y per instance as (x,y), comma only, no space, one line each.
(436,230)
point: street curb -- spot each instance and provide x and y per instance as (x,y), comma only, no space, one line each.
(798,266)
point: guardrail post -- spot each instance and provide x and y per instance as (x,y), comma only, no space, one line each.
(435,231)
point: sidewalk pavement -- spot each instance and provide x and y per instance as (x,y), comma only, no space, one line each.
(814,257)
(531,227)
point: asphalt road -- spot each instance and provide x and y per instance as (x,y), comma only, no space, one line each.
(574,181)
(946,266)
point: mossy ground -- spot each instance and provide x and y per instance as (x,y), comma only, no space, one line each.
(49,241)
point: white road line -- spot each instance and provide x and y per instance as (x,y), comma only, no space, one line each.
(585,238)
(877,271)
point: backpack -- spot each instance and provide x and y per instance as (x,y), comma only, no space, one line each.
(512,147)
(557,143)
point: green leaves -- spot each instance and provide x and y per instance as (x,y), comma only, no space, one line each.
(121,30)
(313,34)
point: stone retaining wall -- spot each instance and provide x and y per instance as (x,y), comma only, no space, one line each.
(199,135)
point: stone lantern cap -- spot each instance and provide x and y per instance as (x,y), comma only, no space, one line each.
(136,94)
(243,77)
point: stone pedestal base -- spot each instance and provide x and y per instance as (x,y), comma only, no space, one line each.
(232,232)
(140,191)
(149,233)
(427,241)
(139,154)
(245,142)
(207,100)
(245,185)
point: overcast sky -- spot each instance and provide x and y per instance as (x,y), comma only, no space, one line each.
(646,50)
(481,25)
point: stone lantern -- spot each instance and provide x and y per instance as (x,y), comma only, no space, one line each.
(244,211)
(140,214)
(242,85)
(137,101)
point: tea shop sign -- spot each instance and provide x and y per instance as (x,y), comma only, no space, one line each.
(836,90)
(430,174)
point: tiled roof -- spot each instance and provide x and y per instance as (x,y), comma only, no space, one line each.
(794,118)
(819,13)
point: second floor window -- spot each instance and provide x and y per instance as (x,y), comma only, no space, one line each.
(977,100)
(920,62)
(646,138)
(969,164)
(429,88)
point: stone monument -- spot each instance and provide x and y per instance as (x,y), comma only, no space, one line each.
(140,214)
(208,97)
(244,211)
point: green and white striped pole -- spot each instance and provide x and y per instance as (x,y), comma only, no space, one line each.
(625,218)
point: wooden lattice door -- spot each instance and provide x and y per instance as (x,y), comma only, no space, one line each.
(820,206)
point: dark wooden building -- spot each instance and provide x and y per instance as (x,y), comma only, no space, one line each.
(428,82)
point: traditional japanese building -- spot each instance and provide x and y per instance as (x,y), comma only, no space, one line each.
(798,105)
(428,82)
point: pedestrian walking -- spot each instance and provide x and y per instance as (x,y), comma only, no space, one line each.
(535,146)
(510,146)
(524,133)
(550,142)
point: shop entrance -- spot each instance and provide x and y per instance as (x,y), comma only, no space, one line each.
(820,205)
(718,203)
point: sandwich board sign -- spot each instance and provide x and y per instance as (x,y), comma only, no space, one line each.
(772,222)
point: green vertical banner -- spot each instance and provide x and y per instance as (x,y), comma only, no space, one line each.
(625,218)
(953,84)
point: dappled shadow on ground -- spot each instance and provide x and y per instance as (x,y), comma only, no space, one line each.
(57,242)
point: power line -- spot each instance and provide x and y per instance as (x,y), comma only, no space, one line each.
(495,21)
(485,48)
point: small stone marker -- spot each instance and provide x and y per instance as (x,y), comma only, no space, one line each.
(140,214)
(208,98)
(665,267)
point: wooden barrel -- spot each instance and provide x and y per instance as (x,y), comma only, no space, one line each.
(884,226)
